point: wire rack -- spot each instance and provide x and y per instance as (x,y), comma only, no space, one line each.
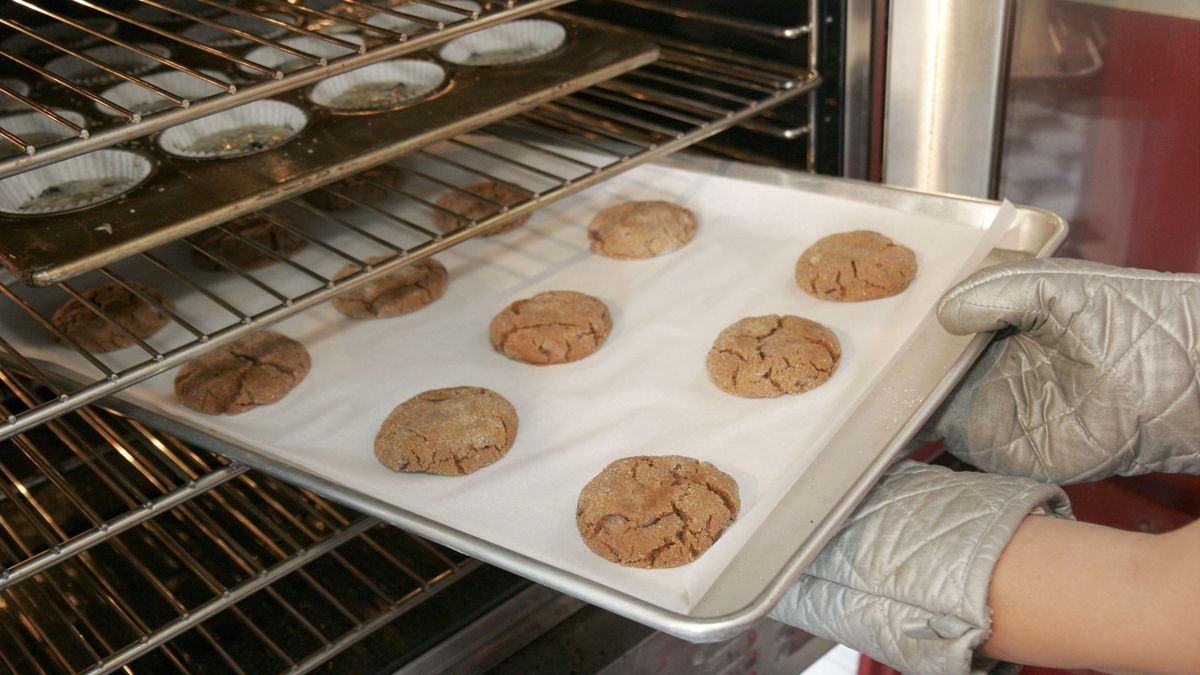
(126,548)
(49,34)
(565,146)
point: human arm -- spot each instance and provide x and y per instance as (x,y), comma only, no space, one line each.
(947,573)
(1066,594)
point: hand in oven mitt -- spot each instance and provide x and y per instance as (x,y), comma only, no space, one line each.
(1100,377)
(906,579)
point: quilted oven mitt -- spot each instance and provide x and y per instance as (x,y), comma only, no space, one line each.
(906,579)
(1100,377)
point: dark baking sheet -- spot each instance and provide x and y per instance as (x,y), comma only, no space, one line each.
(185,196)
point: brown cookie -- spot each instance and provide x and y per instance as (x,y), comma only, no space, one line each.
(656,511)
(860,265)
(640,229)
(551,327)
(241,254)
(135,315)
(367,187)
(407,289)
(258,369)
(768,356)
(450,431)
(474,209)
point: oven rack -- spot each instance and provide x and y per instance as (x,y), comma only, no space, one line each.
(295,578)
(578,141)
(266,81)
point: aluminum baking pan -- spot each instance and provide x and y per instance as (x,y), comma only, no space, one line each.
(179,199)
(821,499)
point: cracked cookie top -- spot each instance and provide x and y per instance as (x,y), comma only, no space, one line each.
(768,356)
(487,195)
(405,290)
(96,334)
(656,511)
(258,369)
(860,265)
(640,229)
(452,431)
(551,327)
(229,241)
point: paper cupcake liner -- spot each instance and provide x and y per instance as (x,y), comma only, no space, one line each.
(220,38)
(37,130)
(402,25)
(244,130)
(143,101)
(74,183)
(124,60)
(281,60)
(63,33)
(513,42)
(151,14)
(379,86)
(8,103)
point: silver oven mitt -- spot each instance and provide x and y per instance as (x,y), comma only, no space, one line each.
(906,579)
(1100,378)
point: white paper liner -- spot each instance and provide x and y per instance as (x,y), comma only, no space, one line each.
(281,60)
(124,60)
(216,37)
(127,169)
(402,25)
(155,15)
(180,139)
(644,392)
(7,102)
(143,101)
(418,77)
(62,33)
(512,42)
(38,129)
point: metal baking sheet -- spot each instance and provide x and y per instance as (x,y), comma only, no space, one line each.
(178,198)
(827,489)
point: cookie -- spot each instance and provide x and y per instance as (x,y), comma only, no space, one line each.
(405,290)
(551,327)
(452,431)
(640,229)
(92,332)
(241,254)
(768,356)
(258,369)
(656,511)
(851,266)
(367,187)
(474,209)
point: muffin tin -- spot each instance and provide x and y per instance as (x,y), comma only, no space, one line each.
(186,194)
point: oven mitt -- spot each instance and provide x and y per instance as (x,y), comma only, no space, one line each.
(1100,376)
(906,579)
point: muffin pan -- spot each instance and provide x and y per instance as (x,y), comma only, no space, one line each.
(506,44)
(244,130)
(186,194)
(75,183)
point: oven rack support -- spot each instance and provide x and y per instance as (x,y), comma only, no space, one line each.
(169,586)
(574,142)
(267,82)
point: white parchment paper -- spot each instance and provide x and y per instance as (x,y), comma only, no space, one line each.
(645,391)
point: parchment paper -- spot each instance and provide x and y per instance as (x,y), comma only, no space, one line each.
(645,391)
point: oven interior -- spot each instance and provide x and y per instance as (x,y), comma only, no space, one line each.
(126,549)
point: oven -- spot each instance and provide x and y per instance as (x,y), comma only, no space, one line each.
(129,547)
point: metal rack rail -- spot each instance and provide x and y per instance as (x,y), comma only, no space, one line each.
(566,146)
(207,568)
(261,80)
